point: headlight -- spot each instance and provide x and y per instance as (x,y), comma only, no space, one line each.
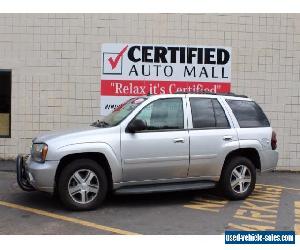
(39,152)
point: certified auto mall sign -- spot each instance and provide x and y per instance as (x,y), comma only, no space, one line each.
(139,69)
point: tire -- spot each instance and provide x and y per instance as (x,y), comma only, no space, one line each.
(234,186)
(82,185)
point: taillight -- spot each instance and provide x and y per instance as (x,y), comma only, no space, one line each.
(273,140)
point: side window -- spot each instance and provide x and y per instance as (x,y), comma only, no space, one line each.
(163,114)
(221,119)
(208,113)
(202,113)
(248,114)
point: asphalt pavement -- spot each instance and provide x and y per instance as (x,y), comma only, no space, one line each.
(274,205)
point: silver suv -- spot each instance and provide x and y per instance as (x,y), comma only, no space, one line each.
(156,143)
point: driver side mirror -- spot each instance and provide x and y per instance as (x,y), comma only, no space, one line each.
(136,125)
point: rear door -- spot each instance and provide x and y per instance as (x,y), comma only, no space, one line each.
(211,137)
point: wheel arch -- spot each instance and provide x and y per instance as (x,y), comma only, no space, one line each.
(250,153)
(100,158)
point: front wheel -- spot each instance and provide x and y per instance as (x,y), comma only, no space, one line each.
(82,185)
(238,178)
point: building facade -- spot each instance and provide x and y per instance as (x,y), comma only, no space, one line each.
(50,67)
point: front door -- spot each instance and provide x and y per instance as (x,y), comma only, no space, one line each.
(161,151)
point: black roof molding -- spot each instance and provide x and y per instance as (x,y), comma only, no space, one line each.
(211,93)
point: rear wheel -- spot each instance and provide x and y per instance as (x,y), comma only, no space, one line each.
(238,178)
(82,185)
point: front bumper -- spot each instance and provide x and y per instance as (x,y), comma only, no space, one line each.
(22,175)
(36,176)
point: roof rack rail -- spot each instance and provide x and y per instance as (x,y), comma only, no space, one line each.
(211,93)
(194,92)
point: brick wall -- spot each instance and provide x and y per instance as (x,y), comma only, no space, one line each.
(55,62)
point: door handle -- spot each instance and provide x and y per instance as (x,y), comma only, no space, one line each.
(227,138)
(178,140)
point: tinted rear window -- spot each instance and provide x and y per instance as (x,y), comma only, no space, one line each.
(208,113)
(248,114)
(221,120)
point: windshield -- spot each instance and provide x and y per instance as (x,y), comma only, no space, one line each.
(120,113)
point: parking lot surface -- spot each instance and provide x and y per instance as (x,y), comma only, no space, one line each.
(274,205)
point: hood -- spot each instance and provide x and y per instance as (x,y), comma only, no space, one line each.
(74,135)
(63,132)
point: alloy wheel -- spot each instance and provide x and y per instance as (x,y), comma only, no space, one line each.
(83,186)
(240,179)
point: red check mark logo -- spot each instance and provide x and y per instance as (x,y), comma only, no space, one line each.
(114,62)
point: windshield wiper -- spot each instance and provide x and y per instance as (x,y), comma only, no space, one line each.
(100,124)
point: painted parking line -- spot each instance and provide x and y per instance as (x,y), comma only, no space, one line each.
(210,203)
(215,204)
(67,219)
(281,187)
(259,211)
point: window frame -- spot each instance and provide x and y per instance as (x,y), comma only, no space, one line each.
(10,89)
(183,101)
(191,124)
